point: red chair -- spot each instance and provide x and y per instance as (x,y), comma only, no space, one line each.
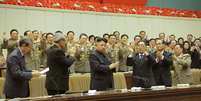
(3,2)
(119,9)
(106,8)
(168,12)
(155,10)
(89,6)
(198,14)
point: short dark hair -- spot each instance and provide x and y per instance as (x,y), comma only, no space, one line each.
(26,32)
(91,37)
(48,34)
(25,41)
(13,30)
(116,32)
(34,31)
(59,32)
(112,35)
(142,32)
(152,39)
(162,33)
(83,34)
(187,43)
(172,35)
(137,36)
(180,38)
(70,32)
(99,39)
(124,35)
(105,35)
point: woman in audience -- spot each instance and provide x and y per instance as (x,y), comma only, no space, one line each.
(181,66)
(187,47)
(180,41)
(106,36)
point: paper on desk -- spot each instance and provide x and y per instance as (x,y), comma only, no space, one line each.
(44,71)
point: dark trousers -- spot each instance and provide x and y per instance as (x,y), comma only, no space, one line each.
(54,92)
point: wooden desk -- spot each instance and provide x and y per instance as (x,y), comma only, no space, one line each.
(185,94)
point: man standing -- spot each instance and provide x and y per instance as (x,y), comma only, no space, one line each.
(161,68)
(142,67)
(181,66)
(11,43)
(58,74)
(82,55)
(101,67)
(17,75)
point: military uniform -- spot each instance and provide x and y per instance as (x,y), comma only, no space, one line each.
(33,59)
(124,52)
(43,54)
(70,50)
(113,52)
(182,71)
(82,58)
(10,45)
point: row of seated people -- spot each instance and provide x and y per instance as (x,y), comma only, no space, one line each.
(118,48)
(105,7)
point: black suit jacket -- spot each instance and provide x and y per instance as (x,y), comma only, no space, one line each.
(195,57)
(101,75)
(142,70)
(58,75)
(162,70)
(17,76)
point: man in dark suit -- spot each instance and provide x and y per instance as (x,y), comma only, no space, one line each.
(161,68)
(17,75)
(101,67)
(142,63)
(58,74)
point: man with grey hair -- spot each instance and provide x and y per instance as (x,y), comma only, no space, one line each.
(17,75)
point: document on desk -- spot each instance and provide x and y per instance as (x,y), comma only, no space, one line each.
(45,70)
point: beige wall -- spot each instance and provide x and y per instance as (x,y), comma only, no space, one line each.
(50,20)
